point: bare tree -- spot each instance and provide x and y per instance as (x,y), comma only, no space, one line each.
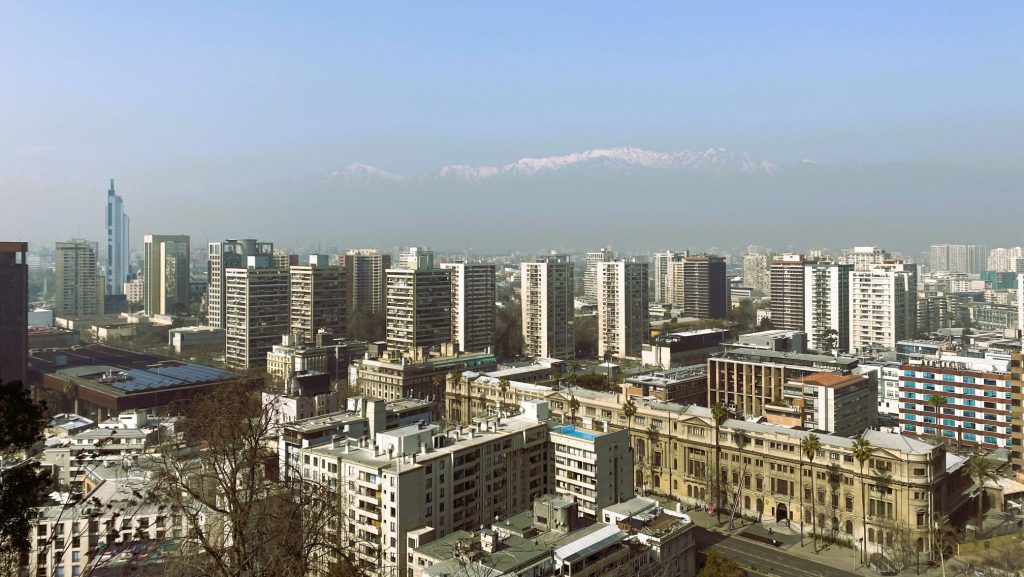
(244,519)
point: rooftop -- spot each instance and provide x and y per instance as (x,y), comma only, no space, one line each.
(831,380)
(766,356)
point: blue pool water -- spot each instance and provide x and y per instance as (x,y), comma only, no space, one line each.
(572,431)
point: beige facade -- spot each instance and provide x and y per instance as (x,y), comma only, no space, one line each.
(787,283)
(623,311)
(548,312)
(392,377)
(593,467)
(883,305)
(418,309)
(166,274)
(256,314)
(317,299)
(365,279)
(231,253)
(80,286)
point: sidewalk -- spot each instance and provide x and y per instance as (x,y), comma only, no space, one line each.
(789,541)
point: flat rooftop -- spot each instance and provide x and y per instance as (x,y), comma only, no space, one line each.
(165,375)
(831,380)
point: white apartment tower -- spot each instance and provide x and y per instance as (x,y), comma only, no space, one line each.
(166,274)
(79,282)
(256,311)
(317,298)
(827,303)
(231,253)
(365,277)
(473,297)
(965,258)
(547,295)
(864,257)
(419,304)
(590,273)
(661,277)
(787,279)
(118,262)
(623,308)
(883,305)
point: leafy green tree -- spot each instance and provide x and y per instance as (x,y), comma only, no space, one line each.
(23,485)
(809,446)
(829,339)
(718,565)
(365,325)
(574,407)
(508,331)
(585,328)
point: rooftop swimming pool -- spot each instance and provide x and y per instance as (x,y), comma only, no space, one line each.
(572,431)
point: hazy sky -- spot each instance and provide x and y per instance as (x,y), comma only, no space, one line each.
(186,101)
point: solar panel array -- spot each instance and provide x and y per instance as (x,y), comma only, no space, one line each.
(162,377)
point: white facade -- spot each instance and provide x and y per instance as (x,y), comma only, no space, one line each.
(547,296)
(317,298)
(473,298)
(888,376)
(1005,259)
(590,286)
(827,303)
(623,311)
(594,467)
(756,271)
(661,280)
(965,258)
(883,306)
(864,257)
(224,255)
(788,295)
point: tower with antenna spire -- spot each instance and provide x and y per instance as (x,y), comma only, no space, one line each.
(117,270)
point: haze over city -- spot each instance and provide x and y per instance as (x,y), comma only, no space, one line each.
(261,119)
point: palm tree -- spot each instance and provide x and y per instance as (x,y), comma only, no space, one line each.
(574,407)
(629,410)
(503,386)
(719,414)
(862,451)
(809,446)
(980,470)
(937,402)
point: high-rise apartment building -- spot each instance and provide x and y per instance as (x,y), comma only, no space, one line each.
(1006,260)
(365,277)
(623,308)
(13,311)
(284,259)
(965,258)
(787,278)
(699,286)
(547,295)
(757,271)
(473,301)
(79,282)
(118,249)
(416,257)
(231,253)
(419,307)
(167,259)
(590,287)
(883,305)
(256,302)
(317,298)
(864,257)
(827,304)
(661,275)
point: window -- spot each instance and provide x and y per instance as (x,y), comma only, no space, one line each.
(948,389)
(969,391)
(948,377)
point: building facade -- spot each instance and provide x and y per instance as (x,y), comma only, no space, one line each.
(827,305)
(623,308)
(590,282)
(118,243)
(977,394)
(757,271)
(317,298)
(965,258)
(547,296)
(13,311)
(256,311)
(660,272)
(230,253)
(883,305)
(419,303)
(472,304)
(788,296)
(366,279)
(705,290)
(79,283)
(166,274)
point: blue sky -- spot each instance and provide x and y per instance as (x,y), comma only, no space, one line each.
(177,96)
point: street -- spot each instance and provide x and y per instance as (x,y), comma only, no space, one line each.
(763,559)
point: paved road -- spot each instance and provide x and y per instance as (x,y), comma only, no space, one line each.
(763,559)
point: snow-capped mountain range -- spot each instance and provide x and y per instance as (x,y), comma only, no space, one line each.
(621,159)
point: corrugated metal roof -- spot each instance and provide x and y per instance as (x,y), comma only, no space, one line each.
(580,548)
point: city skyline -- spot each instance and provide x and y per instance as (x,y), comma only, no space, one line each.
(879,106)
